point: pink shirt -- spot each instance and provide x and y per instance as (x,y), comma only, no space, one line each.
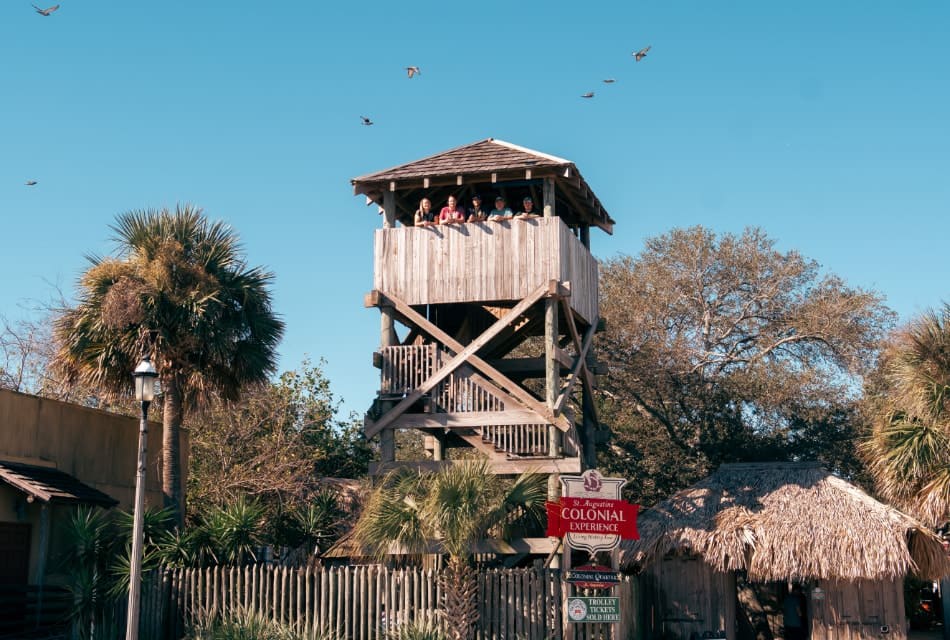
(451,215)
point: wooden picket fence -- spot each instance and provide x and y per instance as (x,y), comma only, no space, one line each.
(366,602)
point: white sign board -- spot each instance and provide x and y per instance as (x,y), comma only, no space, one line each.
(591,484)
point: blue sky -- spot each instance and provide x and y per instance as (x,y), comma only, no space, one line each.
(827,124)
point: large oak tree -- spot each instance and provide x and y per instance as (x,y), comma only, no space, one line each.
(723,348)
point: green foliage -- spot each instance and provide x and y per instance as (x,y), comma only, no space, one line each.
(276,444)
(908,403)
(419,630)
(724,349)
(246,625)
(179,288)
(457,506)
(96,559)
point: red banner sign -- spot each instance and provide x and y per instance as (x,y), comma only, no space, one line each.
(593,515)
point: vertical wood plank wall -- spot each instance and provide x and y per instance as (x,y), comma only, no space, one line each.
(685,596)
(858,610)
(364,602)
(484,262)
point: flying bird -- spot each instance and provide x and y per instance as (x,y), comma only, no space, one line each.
(413,71)
(609,81)
(46,12)
(589,94)
(366,121)
(30,183)
(641,54)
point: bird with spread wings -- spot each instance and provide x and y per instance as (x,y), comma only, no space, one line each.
(641,54)
(46,12)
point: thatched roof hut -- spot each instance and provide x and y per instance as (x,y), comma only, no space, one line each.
(787,521)
(773,524)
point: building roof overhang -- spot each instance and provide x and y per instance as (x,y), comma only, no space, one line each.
(51,485)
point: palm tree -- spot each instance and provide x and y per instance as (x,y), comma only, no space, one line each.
(456,507)
(909,447)
(178,289)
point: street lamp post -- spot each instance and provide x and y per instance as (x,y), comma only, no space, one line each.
(145,377)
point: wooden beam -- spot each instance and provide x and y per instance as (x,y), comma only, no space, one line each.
(579,370)
(548,198)
(411,317)
(579,344)
(552,372)
(458,359)
(461,420)
(389,210)
(531,367)
(533,546)
(506,468)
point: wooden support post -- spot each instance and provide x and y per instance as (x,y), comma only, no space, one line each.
(389,210)
(548,196)
(554,494)
(387,338)
(552,370)
(438,446)
(42,554)
(387,332)
(589,454)
(585,236)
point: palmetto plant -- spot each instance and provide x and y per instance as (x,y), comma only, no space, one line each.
(227,534)
(450,510)
(909,449)
(178,288)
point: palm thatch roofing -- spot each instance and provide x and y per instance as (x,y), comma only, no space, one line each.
(489,167)
(787,521)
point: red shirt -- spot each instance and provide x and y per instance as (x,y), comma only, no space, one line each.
(451,215)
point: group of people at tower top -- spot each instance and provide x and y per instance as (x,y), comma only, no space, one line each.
(453,213)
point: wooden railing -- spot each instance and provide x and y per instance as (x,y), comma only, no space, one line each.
(526,440)
(404,368)
(484,262)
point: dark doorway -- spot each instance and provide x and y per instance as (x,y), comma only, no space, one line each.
(14,574)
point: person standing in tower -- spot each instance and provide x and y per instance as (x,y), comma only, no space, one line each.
(451,213)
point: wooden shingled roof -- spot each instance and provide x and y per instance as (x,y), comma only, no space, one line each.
(485,164)
(47,484)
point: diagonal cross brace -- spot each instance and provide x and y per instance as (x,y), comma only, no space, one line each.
(579,370)
(463,354)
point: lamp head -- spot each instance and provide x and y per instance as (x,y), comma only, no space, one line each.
(146,380)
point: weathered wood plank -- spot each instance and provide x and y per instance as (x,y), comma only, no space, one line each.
(483,262)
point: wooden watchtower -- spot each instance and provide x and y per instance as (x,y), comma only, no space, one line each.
(501,316)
